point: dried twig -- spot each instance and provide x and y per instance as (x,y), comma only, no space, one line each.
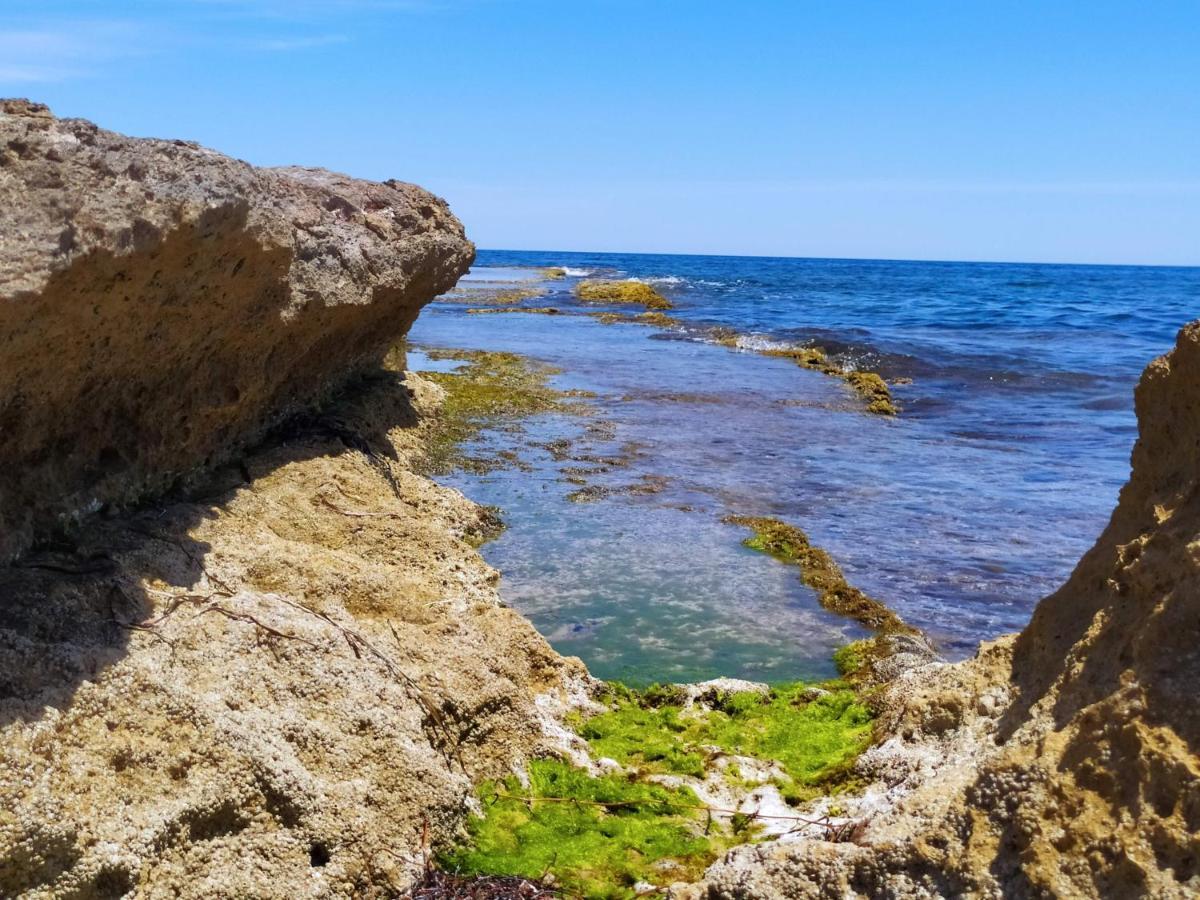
(353,513)
(246,617)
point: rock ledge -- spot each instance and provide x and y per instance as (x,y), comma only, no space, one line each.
(162,304)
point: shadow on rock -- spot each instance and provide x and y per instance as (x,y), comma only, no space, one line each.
(68,607)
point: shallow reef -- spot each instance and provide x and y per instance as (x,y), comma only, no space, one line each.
(653,318)
(537,310)
(869,385)
(644,486)
(492,296)
(634,292)
(489,389)
(791,545)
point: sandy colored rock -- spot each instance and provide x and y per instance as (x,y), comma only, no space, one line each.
(1063,762)
(283,676)
(161,304)
(283,686)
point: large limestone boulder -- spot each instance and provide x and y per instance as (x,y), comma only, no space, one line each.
(284,678)
(162,304)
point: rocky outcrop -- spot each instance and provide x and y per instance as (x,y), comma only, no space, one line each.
(1064,762)
(286,685)
(162,304)
(283,677)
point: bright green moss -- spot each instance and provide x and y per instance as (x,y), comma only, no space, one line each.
(813,740)
(649,833)
(643,831)
(639,735)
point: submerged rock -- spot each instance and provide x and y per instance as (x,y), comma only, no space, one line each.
(637,293)
(163,304)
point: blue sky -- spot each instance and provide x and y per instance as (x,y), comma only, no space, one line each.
(1058,131)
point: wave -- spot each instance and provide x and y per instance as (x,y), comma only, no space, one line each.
(661,279)
(577,273)
(761,342)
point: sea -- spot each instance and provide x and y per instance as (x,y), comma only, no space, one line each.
(1015,386)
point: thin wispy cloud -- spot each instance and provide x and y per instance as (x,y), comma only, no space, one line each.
(980,187)
(309,10)
(286,44)
(62,50)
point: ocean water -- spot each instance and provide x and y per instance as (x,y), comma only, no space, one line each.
(960,513)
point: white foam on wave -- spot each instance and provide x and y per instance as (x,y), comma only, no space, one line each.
(760,342)
(661,279)
(576,273)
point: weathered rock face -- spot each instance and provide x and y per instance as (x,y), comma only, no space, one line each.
(285,680)
(1064,762)
(161,304)
(286,686)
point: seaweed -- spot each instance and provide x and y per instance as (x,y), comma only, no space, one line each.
(618,834)
(536,310)
(818,570)
(598,836)
(489,389)
(869,385)
(813,735)
(634,292)
(491,296)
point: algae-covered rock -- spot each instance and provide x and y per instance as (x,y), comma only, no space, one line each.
(818,570)
(533,310)
(162,304)
(634,292)
(874,390)
(869,385)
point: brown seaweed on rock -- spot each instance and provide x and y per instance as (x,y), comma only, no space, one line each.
(869,385)
(791,545)
(635,292)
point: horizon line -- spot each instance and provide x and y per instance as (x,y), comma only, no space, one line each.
(885,259)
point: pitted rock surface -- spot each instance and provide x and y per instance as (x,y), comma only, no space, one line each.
(162,304)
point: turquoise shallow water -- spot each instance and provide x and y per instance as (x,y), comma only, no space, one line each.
(960,513)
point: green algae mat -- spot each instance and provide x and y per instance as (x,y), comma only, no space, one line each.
(599,836)
(813,733)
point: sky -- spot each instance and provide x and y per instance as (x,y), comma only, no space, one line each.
(1032,131)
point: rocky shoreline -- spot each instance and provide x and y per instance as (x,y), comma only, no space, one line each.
(248,649)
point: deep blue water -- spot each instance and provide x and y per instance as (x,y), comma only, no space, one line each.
(962,512)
